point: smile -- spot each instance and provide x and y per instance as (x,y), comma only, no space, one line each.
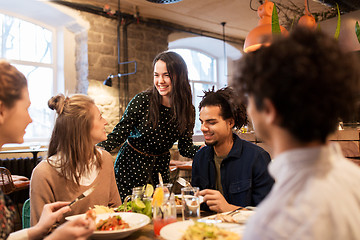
(163,88)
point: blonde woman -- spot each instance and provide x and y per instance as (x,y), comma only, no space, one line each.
(74,163)
(14,118)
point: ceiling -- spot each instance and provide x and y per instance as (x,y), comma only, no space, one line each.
(207,15)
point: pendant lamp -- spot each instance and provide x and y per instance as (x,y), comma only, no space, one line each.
(308,19)
(262,34)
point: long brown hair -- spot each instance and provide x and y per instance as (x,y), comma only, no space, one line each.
(180,98)
(70,138)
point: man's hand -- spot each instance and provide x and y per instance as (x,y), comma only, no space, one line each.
(216,201)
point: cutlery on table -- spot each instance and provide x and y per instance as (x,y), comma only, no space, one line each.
(81,196)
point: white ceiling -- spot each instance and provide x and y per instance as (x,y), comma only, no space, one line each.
(207,15)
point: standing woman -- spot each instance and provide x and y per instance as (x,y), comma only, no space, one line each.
(74,163)
(153,121)
(14,118)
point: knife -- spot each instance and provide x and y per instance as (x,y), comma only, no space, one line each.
(81,196)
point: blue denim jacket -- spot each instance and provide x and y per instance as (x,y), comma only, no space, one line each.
(244,176)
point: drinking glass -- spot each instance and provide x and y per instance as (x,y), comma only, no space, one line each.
(190,203)
(165,213)
(139,203)
(167,185)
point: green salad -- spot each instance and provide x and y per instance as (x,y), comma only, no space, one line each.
(138,206)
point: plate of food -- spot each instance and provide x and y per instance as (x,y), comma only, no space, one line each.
(188,230)
(115,225)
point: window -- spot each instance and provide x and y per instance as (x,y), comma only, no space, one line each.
(29,47)
(202,76)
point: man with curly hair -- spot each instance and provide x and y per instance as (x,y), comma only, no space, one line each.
(298,89)
(229,171)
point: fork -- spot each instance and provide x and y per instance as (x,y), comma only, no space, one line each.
(185,183)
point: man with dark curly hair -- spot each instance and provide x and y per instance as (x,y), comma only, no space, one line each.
(231,172)
(298,88)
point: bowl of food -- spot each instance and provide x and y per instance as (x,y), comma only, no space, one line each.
(115,225)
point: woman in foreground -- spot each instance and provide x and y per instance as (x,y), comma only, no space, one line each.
(14,118)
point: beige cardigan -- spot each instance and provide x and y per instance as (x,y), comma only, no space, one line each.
(47,186)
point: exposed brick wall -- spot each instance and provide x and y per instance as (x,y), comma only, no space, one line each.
(144,43)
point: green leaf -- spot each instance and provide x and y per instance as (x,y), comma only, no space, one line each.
(357,30)
(292,24)
(275,25)
(318,27)
(337,32)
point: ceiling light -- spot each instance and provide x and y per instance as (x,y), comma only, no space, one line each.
(262,34)
(164,1)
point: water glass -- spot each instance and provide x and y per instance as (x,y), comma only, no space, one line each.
(165,213)
(190,203)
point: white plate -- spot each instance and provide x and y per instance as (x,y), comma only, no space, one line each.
(135,221)
(174,231)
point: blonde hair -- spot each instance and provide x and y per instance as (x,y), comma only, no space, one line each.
(70,138)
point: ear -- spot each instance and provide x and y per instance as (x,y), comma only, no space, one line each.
(270,112)
(231,122)
(2,112)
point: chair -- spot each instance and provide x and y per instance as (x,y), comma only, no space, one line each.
(25,217)
(11,183)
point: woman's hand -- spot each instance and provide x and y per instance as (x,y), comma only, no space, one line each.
(52,212)
(77,229)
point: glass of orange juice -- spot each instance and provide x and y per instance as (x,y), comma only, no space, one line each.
(164,208)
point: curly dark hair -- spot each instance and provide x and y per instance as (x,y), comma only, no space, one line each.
(307,77)
(229,105)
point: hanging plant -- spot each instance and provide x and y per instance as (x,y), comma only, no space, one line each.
(357,30)
(337,32)
(275,25)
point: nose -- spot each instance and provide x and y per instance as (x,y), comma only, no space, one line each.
(161,79)
(203,128)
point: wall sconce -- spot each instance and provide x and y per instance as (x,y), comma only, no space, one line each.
(108,81)
(262,34)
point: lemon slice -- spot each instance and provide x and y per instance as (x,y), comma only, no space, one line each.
(158,197)
(149,190)
(138,203)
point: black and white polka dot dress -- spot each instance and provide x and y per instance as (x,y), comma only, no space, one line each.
(136,164)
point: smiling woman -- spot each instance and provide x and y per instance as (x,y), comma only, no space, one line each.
(75,164)
(153,121)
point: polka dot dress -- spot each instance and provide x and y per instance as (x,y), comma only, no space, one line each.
(133,168)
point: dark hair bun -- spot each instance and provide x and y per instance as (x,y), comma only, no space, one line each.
(57,103)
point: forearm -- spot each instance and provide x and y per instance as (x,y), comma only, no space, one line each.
(36,232)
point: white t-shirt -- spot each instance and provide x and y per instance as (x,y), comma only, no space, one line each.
(316,195)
